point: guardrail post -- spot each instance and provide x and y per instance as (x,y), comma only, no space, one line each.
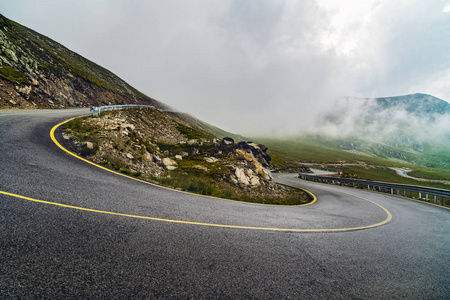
(434,199)
(420,195)
(426,197)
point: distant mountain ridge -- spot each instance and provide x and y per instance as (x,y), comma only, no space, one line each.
(419,104)
(413,128)
(36,71)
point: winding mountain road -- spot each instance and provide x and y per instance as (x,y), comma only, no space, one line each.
(71,230)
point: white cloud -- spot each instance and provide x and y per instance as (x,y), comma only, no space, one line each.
(255,66)
(446,8)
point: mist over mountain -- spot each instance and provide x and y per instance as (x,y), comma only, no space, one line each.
(390,119)
(412,128)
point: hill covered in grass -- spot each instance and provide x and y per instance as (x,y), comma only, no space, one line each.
(411,130)
(37,72)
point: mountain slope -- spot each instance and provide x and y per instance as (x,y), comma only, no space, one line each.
(420,105)
(411,129)
(36,71)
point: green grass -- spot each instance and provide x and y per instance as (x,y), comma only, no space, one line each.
(207,184)
(309,152)
(431,174)
(13,75)
(283,151)
(79,128)
(192,133)
(386,175)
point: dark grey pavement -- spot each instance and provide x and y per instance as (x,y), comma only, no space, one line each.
(52,252)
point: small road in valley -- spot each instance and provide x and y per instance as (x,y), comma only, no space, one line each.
(71,230)
(404,173)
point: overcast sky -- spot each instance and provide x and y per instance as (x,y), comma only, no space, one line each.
(255,66)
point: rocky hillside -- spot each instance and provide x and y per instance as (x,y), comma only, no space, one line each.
(37,72)
(163,147)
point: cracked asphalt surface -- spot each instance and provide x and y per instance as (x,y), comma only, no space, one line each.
(53,252)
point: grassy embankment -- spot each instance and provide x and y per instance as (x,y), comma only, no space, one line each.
(305,151)
(187,177)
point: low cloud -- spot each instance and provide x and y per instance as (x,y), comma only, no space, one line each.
(371,120)
(255,67)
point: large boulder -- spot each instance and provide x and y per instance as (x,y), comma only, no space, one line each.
(227,141)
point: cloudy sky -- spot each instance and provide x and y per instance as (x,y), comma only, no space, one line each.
(255,66)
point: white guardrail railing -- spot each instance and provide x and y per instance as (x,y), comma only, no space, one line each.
(438,196)
(96,110)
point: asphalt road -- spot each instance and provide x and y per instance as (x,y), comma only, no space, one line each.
(349,244)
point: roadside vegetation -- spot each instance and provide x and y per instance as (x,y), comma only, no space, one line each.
(371,168)
(13,75)
(387,175)
(430,174)
(201,163)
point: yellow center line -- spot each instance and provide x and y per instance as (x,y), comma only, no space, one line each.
(52,134)
(389,217)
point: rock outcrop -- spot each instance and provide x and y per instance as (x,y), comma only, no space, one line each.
(163,147)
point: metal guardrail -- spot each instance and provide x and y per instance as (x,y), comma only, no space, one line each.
(391,188)
(322,168)
(96,110)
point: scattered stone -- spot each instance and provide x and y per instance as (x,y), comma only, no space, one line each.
(241,177)
(127,126)
(184,154)
(243,145)
(25,90)
(211,159)
(227,141)
(30,164)
(171,168)
(169,162)
(148,156)
(200,167)
(129,155)
(90,145)
(156,159)
(194,151)
(192,142)
(178,157)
